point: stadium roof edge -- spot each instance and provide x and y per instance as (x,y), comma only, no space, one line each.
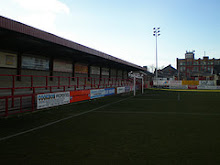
(19,27)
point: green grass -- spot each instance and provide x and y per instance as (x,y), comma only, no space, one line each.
(153,129)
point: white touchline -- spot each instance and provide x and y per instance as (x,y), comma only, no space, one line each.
(57,121)
(162,113)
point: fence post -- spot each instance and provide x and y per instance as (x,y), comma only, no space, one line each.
(77,82)
(33,101)
(34,90)
(46,82)
(31,81)
(13,91)
(91,82)
(95,82)
(99,82)
(85,83)
(59,82)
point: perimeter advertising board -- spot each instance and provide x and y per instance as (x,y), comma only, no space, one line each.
(81,68)
(62,66)
(161,82)
(127,89)
(120,73)
(192,86)
(52,99)
(208,87)
(190,82)
(120,90)
(179,87)
(95,70)
(96,93)
(175,83)
(109,91)
(105,71)
(81,95)
(8,60)
(206,83)
(29,62)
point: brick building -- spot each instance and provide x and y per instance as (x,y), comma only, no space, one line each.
(167,72)
(191,68)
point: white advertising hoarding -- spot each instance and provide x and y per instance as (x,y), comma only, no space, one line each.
(206,83)
(52,99)
(94,70)
(29,62)
(119,73)
(8,60)
(175,83)
(105,71)
(120,90)
(207,87)
(62,66)
(161,82)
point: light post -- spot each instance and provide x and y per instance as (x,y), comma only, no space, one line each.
(156,33)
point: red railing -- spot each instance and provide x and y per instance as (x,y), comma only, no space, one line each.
(7,101)
(20,108)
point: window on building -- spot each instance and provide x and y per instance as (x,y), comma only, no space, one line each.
(195,63)
(182,69)
(188,63)
(182,63)
(195,69)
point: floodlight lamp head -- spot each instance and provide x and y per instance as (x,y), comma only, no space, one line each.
(154,28)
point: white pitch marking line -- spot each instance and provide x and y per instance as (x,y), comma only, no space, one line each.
(66,118)
(154,99)
(170,113)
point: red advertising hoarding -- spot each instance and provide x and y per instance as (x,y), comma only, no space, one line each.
(82,95)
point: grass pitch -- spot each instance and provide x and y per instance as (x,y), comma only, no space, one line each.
(156,128)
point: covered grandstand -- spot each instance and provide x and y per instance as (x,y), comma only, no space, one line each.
(33,61)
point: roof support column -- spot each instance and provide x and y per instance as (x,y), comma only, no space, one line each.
(89,67)
(109,72)
(19,66)
(100,75)
(51,68)
(73,70)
